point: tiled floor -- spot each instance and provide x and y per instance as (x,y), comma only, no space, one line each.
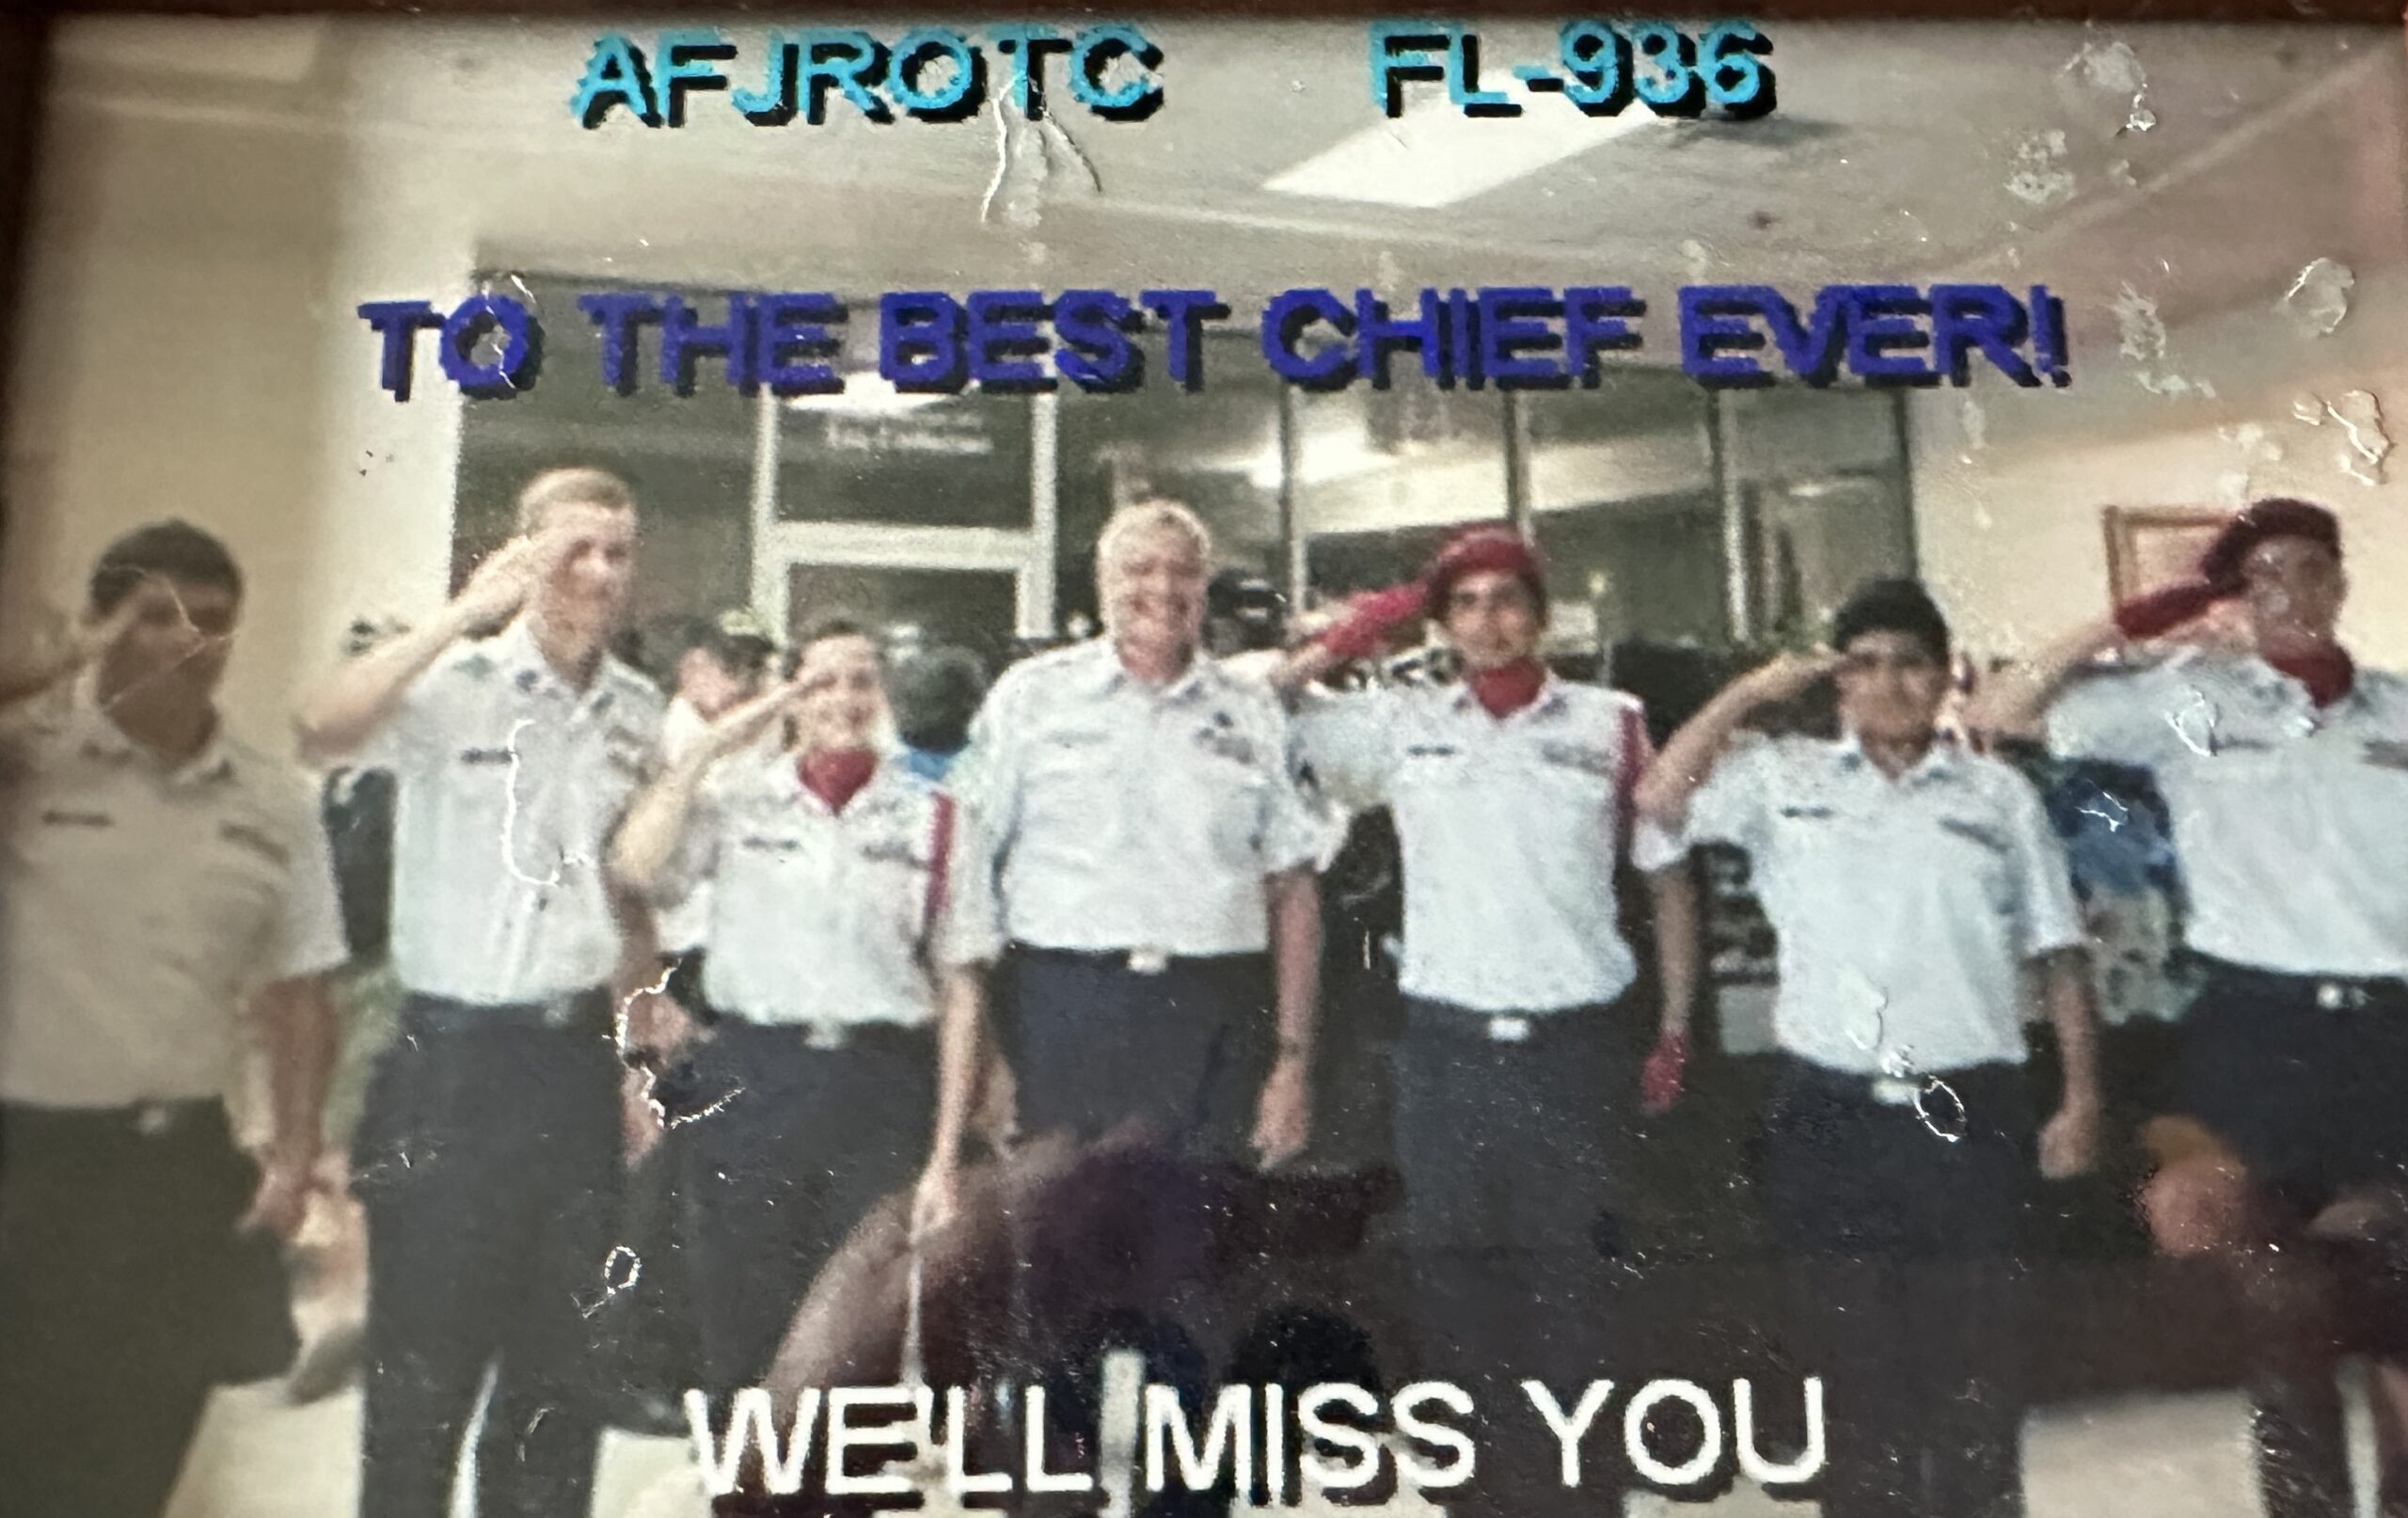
(2164,1457)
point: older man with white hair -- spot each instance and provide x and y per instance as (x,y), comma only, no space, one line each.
(1152,863)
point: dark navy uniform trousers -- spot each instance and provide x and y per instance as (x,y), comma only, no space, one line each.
(798,1142)
(1506,1147)
(1096,1042)
(1900,1230)
(2304,1077)
(488,1160)
(126,1295)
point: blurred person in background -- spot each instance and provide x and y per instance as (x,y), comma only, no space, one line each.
(936,693)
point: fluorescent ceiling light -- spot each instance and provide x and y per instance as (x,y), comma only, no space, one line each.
(1433,155)
(865,395)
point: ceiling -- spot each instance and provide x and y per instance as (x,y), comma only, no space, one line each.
(1909,152)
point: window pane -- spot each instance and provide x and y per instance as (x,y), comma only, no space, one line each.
(1621,485)
(972,608)
(1389,473)
(871,455)
(1216,448)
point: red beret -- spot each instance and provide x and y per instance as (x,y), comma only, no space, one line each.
(2278,517)
(1479,549)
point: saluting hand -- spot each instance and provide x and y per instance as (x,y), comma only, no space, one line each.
(1789,676)
(741,725)
(509,574)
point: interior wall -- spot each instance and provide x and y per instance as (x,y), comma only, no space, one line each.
(2009,484)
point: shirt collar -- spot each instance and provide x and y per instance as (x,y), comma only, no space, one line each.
(1549,701)
(94,734)
(1111,674)
(523,664)
(2265,680)
(1943,759)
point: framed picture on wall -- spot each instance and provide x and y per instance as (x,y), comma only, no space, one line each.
(2149,546)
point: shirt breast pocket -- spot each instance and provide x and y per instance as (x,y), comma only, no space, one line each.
(234,909)
(1066,780)
(1980,851)
(1235,806)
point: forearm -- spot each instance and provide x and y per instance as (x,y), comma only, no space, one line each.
(2071,1010)
(25,676)
(297,1025)
(1295,952)
(1673,891)
(358,697)
(647,840)
(2014,698)
(961,1035)
(1304,666)
(1663,793)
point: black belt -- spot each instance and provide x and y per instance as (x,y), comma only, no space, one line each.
(1894,1090)
(2330,993)
(830,1034)
(1446,1019)
(582,1012)
(1142,961)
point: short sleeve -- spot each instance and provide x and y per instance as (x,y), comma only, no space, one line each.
(2044,876)
(967,928)
(983,777)
(407,738)
(1732,805)
(1295,832)
(696,857)
(309,936)
(1347,742)
(2129,717)
(1654,847)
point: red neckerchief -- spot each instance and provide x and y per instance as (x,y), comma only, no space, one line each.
(835,775)
(1507,687)
(2327,671)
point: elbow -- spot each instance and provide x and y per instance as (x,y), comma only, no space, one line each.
(1659,799)
(321,736)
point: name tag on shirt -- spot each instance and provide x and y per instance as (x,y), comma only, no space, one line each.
(1430,750)
(763,844)
(1808,814)
(1577,757)
(484,756)
(890,851)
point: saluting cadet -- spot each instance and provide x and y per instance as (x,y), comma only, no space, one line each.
(1152,863)
(155,874)
(834,935)
(1909,883)
(1510,791)
(488,1157)
(2285,768)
